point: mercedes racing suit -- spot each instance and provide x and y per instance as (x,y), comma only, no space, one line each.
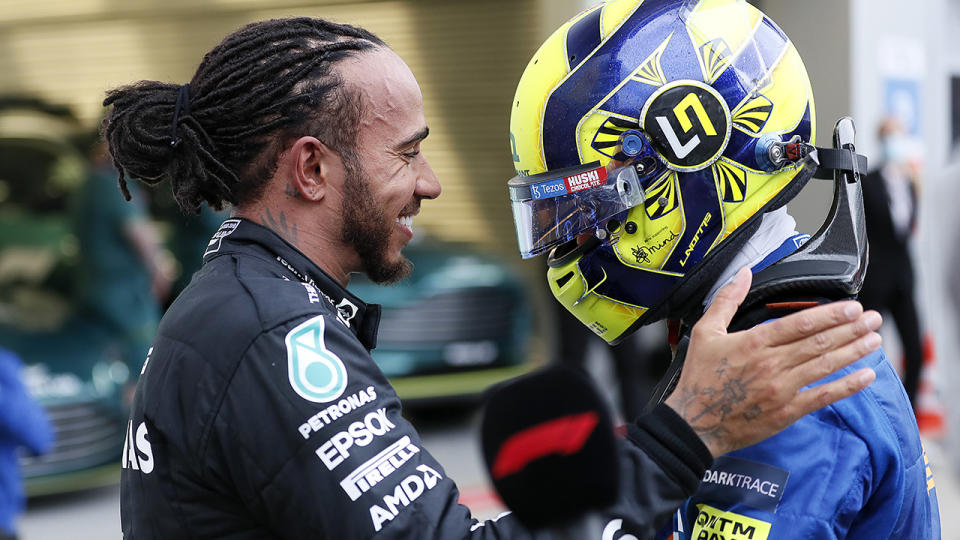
(260,413)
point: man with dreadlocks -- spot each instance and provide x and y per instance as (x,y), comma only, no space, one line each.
(259,412)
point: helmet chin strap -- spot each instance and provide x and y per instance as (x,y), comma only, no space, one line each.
(775,228)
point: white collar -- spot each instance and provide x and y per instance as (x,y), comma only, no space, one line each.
(775,228)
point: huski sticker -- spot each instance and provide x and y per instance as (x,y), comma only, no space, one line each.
(316,373)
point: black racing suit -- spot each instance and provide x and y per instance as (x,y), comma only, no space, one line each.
(259,413)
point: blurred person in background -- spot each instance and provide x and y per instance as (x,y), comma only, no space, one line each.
(23,424)
(260,412)
(639,362)
(890,197)
(124,274)
(656,146)
(189,235)
(186,239)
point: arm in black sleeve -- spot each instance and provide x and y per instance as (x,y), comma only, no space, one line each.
(673,445)
(353,467)
(665,460)
(662,462)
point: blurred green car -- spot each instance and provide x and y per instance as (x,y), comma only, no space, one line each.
(460,323)
(72,366)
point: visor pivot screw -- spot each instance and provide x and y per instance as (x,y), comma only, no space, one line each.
(601,234)
(630,227)
(776,153)
(769,152)
(662,201)
(632,143)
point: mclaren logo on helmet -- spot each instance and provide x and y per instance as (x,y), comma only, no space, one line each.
(688,124)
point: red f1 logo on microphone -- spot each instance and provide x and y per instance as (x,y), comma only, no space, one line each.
(563,436)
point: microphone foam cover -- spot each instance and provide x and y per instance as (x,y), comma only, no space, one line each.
(549,446)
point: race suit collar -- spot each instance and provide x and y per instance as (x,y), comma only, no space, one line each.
(238,235)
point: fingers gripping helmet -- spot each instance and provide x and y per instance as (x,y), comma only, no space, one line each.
(640,133)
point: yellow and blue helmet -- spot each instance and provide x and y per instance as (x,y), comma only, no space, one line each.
(648,138)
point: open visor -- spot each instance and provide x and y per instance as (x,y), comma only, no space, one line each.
(554,207)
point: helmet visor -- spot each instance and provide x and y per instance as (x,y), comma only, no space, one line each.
(554,207)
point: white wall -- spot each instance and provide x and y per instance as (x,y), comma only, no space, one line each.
(851,49)
(923,35)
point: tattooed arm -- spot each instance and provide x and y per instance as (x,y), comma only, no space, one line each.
(738,389)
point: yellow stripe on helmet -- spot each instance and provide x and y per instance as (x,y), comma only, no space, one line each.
(545,71)
(604,317)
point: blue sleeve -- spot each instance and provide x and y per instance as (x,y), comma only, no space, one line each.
(22,420)
(853,470)
(902,499)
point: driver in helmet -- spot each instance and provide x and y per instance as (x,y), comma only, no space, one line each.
(656,146)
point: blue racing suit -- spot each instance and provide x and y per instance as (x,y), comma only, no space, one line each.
(23,423)
(855,469)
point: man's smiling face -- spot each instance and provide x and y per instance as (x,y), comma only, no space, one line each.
(387,176)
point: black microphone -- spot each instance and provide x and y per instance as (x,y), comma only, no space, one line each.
(549,447)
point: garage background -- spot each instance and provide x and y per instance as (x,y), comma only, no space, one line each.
(467,57)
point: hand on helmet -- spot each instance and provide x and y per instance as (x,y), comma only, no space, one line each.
(740,388)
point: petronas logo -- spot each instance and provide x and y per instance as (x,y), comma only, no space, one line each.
(753,114)
(651,71)
(714,54)
(662,197)
(732,181)
(316,374)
